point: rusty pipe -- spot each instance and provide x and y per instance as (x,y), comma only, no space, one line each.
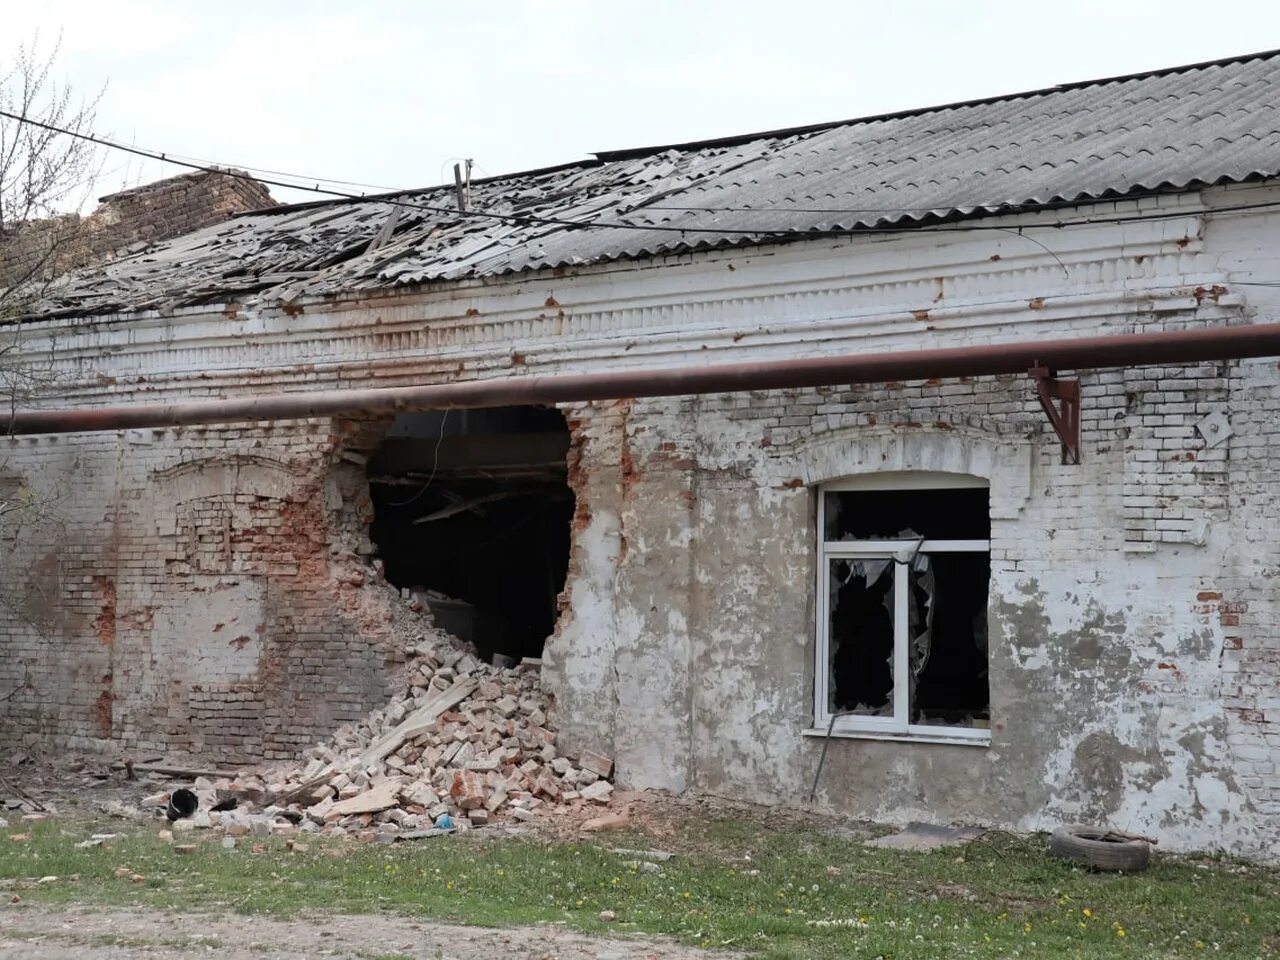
(1082,353)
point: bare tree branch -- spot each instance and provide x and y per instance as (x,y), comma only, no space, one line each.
(45,176)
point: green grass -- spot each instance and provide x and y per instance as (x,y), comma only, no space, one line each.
(734,884)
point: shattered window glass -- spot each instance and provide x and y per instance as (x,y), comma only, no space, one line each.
(861,612)
(903,637)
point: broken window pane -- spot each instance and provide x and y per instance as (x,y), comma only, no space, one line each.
(948,514)
(862,631)
(947,601)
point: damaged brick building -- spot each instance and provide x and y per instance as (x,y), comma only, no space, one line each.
(749,440)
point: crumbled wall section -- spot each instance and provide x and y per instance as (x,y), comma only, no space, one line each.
(171,207)
(578,659)
(205,591)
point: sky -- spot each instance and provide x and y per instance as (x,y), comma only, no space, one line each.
(390,93)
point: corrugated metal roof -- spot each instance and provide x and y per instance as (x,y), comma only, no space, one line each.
(1168,130)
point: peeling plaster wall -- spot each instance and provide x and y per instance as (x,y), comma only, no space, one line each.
(1135,653)
(1125,686)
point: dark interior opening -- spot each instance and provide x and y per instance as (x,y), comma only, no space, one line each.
(473,509)
(959,513)
(952,687)
(862,637)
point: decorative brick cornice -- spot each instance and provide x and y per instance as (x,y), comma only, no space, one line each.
(800,300)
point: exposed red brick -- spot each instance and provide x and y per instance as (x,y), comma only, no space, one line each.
(104,624)
(1248,715)
(102,713)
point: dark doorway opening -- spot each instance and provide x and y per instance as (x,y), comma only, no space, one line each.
(473,508)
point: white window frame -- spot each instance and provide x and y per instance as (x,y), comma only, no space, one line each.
(896,727)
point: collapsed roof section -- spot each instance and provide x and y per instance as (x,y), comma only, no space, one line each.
(1168,130)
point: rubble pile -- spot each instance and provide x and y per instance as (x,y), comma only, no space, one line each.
(464,744)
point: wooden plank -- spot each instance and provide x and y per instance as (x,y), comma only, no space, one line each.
(374,800)
(418,721)
(304,792)
(180,773)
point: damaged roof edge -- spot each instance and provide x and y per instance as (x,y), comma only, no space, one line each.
(446,188)
(260,298)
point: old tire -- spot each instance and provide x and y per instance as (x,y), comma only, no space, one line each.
(1084,844)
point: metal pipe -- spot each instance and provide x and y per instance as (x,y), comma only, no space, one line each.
(1083,353)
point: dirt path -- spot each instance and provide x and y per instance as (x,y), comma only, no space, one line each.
(38,932)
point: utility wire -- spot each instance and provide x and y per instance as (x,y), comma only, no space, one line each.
(528,219)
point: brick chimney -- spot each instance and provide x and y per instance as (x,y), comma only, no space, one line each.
(130,219)
(127,222)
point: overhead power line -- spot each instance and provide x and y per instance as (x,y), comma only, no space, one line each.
(587,224)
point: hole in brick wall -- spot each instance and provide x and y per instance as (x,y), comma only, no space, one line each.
(473,507)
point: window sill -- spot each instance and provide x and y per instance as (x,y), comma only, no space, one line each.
(940,737)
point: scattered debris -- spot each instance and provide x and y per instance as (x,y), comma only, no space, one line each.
(598,792)
(374,800)
(465,744)
(177,773)
(421,834)
(658,856)
(115,808)
(18,799)
(610,821)
(601,766)
(925,836)
(97,840)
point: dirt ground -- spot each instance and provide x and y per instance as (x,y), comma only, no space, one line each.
(38,932)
